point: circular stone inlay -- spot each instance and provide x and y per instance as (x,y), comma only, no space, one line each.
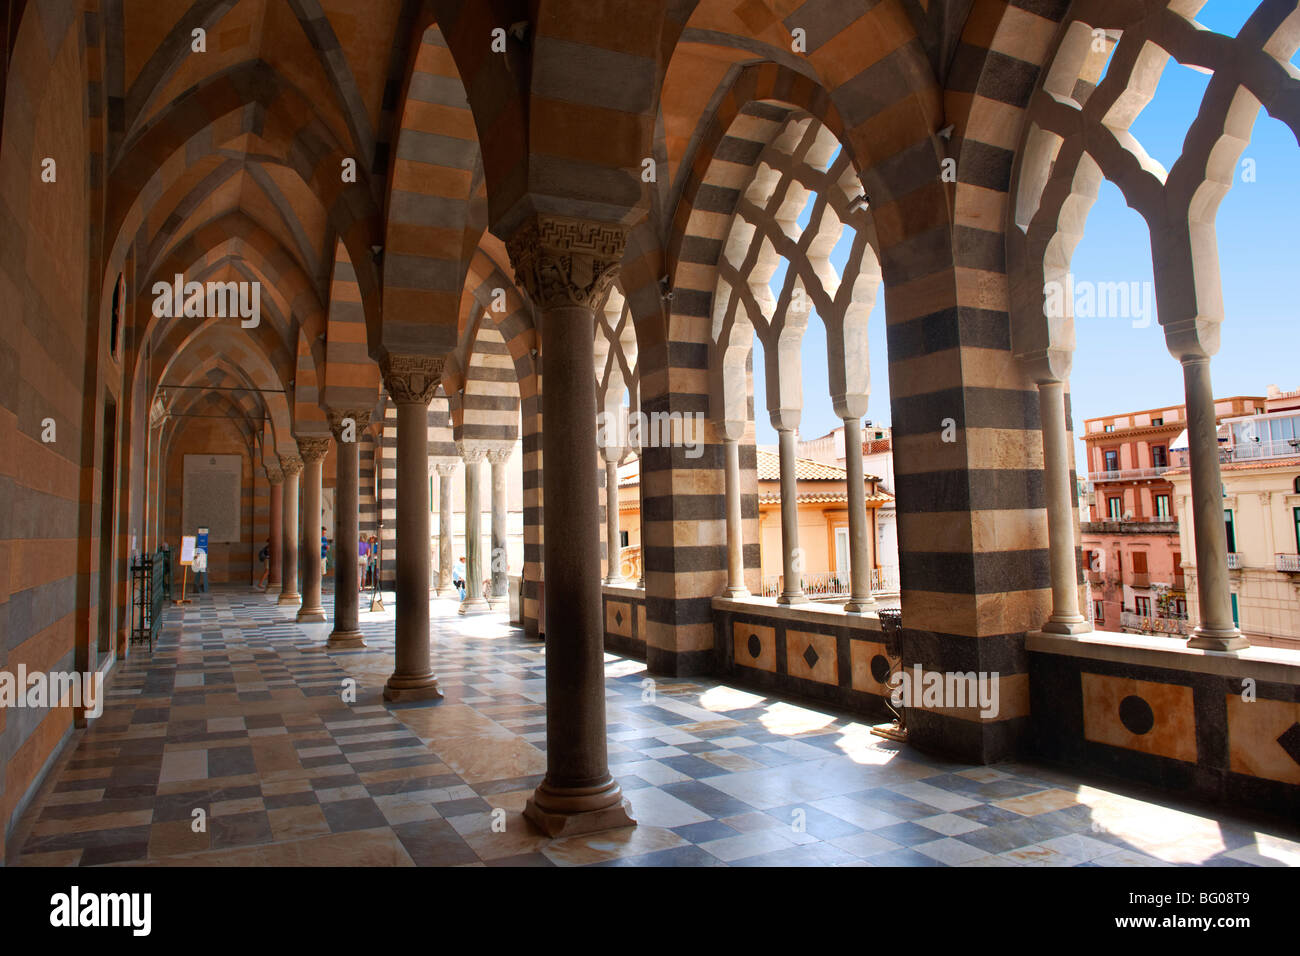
(755,646)
(880,668)
(1136,714)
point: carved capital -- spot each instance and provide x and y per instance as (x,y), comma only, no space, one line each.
(473,455)
(446,469)
(499,456)
(274,475)
(563,262)
(360,420)
(290,465)
(411,379)
(313,448)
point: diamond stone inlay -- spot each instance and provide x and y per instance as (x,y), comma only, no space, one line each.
(810,657)
(618,616)
(1290,742)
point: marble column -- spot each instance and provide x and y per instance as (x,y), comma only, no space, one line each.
(640,493)
(446,533)
(347,427)
(731,435)
(474,602)
(313,451)
(613,540)
(276,477)
(567,266)
(292,468)
(860,597)
(1063,567)
(791,563)
(500,569)
(411,380)
(1216,631)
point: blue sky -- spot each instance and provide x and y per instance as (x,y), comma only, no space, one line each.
(1118,368)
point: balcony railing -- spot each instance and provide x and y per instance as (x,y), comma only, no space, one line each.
(1124,474)
(833,583)
(1235,560)
(1253,451)
(1290,563)
(1146,624)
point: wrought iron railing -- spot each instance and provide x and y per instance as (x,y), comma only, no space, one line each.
(150,574)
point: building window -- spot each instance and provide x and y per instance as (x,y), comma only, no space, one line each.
(1099,612)
(1162,506)
(1142,605)
(1295,514)
(1139,559)
(1108,428)
(1158,457)
(1232,534)
(622,539)
(1112,460)
(1157,421)
(1114,504)
(1236,621)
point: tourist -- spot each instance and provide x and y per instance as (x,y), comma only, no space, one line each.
(265,557)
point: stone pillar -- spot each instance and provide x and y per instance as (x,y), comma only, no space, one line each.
(276,478)
(1216,632)
(860,598)
(566,266)
(313,451)
(613,542)
(292,468)
(500,515)
(792,566)
(474,602)
(347,427)
(731,435)
(446,533)
(411,380)
(640,493)
(1065,617)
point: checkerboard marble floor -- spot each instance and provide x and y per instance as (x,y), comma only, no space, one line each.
(233,744)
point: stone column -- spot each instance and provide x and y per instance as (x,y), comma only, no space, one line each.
(567,266)
(276,478)
(792,566)
(731,435)
(1216,632)
(446,533)
(613,542)
(860,598)
(347,427)
(474,602)
(292,468)
(640,493)
(1065,617)
(313,451)
(411,380)
(500,570)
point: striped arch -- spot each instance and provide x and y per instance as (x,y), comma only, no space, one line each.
(351,378)
(434,206)
(308,414)
(484,397)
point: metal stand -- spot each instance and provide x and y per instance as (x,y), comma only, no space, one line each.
(376,593)
(891,627)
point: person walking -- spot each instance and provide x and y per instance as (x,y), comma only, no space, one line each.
(363,554)
(458,578)
(324,551)
(200,568)
(372,562)
(265,557)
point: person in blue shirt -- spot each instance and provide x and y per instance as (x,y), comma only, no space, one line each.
(458,577)
(324,550)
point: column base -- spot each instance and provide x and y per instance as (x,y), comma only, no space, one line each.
(797,597)
(471,606)
(736,593)
(1053,626)
(447,592)
(345,640)
(289,597)
(1213,639)
(561,812)
(614,582)
(311,615)
(861,605)
(402,689)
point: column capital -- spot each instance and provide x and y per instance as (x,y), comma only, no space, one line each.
(472,455)
(499,456)
(290,465)
(411,379)
(313,448)
(560,261)
(360,420)
(274,474)
(446,467)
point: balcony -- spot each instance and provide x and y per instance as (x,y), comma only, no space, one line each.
(1262,450)
(1124,474)
(1289,563)
(1118,526)
(1236,560)
(1146,624)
